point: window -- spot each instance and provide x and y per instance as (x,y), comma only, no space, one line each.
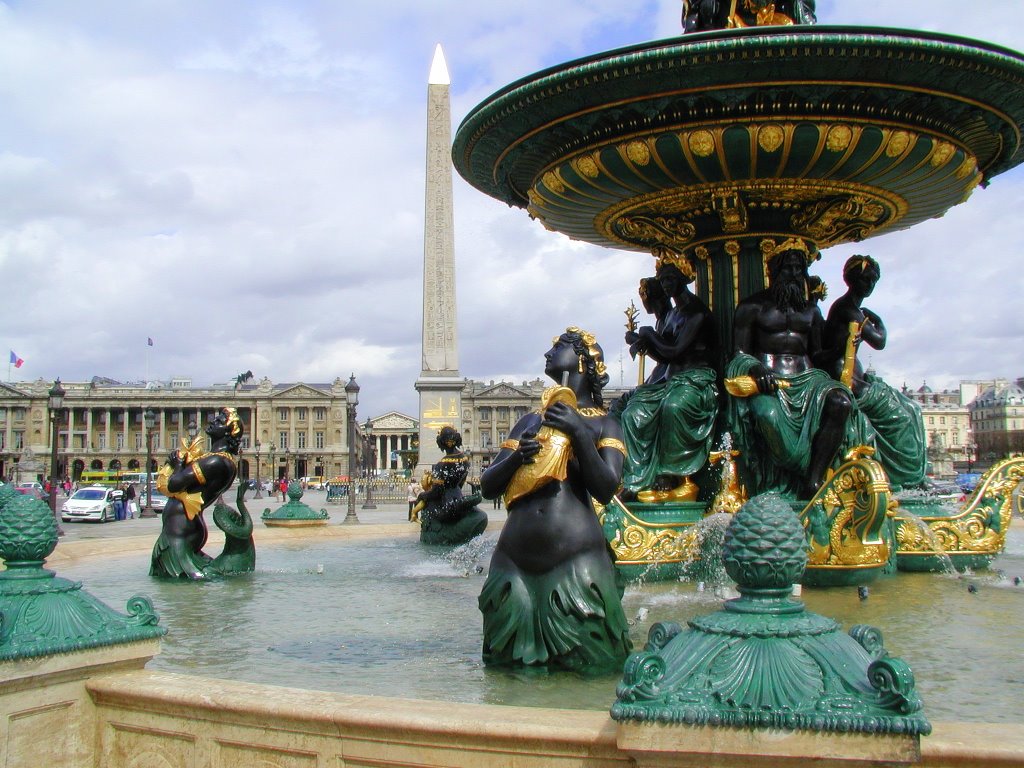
(502,413)
(300,413)
(19,414)
(485,414)
(282,440)
(282,414)
(138,442)
(485,440)
(101,441)
(931,419)
(319,414)
(942,419)
(120,441)
(301,438)
(19,440)
(318,440)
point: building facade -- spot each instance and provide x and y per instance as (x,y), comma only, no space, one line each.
(291,429)
(997,419)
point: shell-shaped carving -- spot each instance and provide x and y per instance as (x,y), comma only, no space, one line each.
(838,138)
(643,668)
(894,681)
(766,674)
(702,143)
(638,153)
(770,137)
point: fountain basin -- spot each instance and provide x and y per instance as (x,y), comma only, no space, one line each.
(379,621)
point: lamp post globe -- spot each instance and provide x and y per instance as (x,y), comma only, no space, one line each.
(352,400)
(55,401)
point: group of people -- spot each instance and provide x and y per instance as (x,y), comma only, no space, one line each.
(124,498)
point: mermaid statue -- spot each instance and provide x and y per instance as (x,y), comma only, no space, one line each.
(193,479)
(552,598)
(445,515)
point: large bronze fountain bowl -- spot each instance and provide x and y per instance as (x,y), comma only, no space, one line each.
(833,134)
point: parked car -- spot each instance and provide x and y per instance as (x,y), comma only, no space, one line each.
(92,503)
(159,500)
(315,482)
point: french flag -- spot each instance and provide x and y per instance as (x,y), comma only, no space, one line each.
(16,360)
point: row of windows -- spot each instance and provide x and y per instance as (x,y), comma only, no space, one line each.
(501,413)
(319,414)
(300,441)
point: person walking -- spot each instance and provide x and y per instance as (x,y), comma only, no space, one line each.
(282,486)
(129,502)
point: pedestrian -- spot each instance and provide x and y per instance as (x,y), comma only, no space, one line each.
(283,487)
(497,501)
(130,507)
(118,497)
(411,493)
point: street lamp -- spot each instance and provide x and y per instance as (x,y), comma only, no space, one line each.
(351,400)
(149,418)
(273,466)
(259,485)
(287,464)
(56,403)
(371,466)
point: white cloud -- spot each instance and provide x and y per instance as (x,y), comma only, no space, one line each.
(243,182)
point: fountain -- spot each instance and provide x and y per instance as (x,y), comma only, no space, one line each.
(724,151)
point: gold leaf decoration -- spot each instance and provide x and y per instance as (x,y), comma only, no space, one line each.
(898,143)
(552,182)
(586,166)
(770,137)
(702,143)
(942,153)
(638,153)
(838,138)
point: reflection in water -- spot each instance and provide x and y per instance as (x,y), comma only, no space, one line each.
(394,618)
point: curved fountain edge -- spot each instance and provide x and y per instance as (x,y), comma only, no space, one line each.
(122,711)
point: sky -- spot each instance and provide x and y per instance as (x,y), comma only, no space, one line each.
(243,182)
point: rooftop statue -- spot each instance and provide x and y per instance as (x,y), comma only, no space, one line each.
(192,479)
(896,420)
(445,515)
(551,597)
(793,419)
(704,15)
(668,421)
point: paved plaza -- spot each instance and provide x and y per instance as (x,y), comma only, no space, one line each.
(384,514)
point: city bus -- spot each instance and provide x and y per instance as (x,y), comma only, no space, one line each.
(111,477)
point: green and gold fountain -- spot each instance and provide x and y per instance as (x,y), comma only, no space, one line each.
(758,132)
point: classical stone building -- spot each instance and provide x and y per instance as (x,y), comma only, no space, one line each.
(947,427)
(301,428)
(997,419)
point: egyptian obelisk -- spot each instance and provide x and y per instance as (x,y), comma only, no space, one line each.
(439,383)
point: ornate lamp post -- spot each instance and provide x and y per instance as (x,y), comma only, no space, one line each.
(287,464)
(56,404)
(259,485)
(149,419)
(371,466)
(352,400)
(273,466)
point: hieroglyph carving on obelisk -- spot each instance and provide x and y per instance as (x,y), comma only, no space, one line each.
(439,384)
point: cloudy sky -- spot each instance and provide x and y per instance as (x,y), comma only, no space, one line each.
(243,182)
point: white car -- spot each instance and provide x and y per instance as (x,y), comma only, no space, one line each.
(93,503)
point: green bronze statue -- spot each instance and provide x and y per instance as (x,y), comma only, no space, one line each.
(445,515)
(790,420)
(895,419)
(552,597)
(668,421)
(192,479)
(239,553)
